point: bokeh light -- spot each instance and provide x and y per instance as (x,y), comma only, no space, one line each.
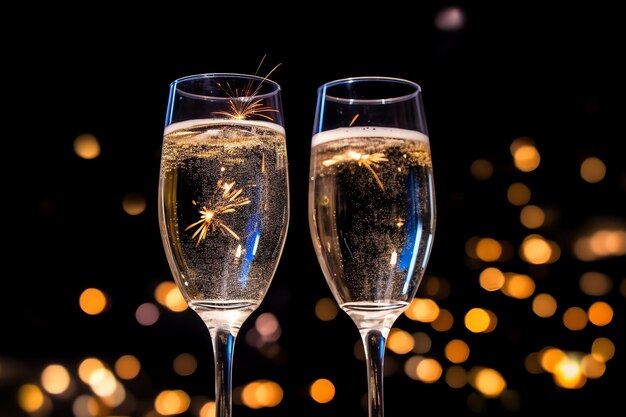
(322,391)
(147,314)
(491,279)
(457,351)
(422,309)
(603,349)
(30,398)
(326,309)
(134,204)
(208,409)
(450,19)
(55,379)
(592,170)
(87,367)
(456,377)
(428,370)
(518,286)
(518,194)
(489,382)
(532,216)
(400,341)
(87,146)
(600,313)
(171,402)
(544,305)
(531,363)
(481,169)
(185,364)
(422,343)
(595,283)
(168,295)
(488,249)
(92,301)
(568,373)
(526,157)
(479,320)
(127,367)
(575,318)
(549,357)
(591,367)
(262,393)
(443,322)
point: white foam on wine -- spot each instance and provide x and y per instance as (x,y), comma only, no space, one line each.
(188,124)
(367,132)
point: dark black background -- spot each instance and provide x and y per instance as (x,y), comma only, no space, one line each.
(553,74)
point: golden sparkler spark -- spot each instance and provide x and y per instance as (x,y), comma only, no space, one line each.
(369,161)
(243,102)
(210,213)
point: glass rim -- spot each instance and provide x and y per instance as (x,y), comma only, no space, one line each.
(174,84)
(388,100)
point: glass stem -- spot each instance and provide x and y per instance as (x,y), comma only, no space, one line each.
(223,348)
(374,342)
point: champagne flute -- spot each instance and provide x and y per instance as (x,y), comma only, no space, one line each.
(223,202)
(371,205)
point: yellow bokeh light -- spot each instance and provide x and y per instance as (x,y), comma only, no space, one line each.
(322,391)
(423,309)
(592,170)
(491,279)
(92,301)
(595,283)
(87,368)
(30,398)
(127,367)
(477,320)
(172,402)
(544,305)
(490,382)
(457,351)
(549,357)
(134,204)
(326,309)
(526,157)
(535,250)
(87,146)
(488,249)
(208,409)
(422,344)
(568,373)
(600,313)
(248,395)
(591,367)
(55,379)
(168,295)
(518,286)
(456,377)
(602,349)
(481,169)
(532,217)
(436,287)
(518,194)
(400,342)
(116,397)
(575,318)
(185,364)
(606,242)
(443,322)
(161,291)
(429,370)
(103,382)
(268,394)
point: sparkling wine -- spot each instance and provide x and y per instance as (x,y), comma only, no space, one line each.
(224,210)
(372,215)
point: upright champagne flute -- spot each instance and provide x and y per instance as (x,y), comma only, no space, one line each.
(223,202)
(371,205)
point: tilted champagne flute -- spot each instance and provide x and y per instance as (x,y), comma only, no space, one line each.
(223,202)
(371,205)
